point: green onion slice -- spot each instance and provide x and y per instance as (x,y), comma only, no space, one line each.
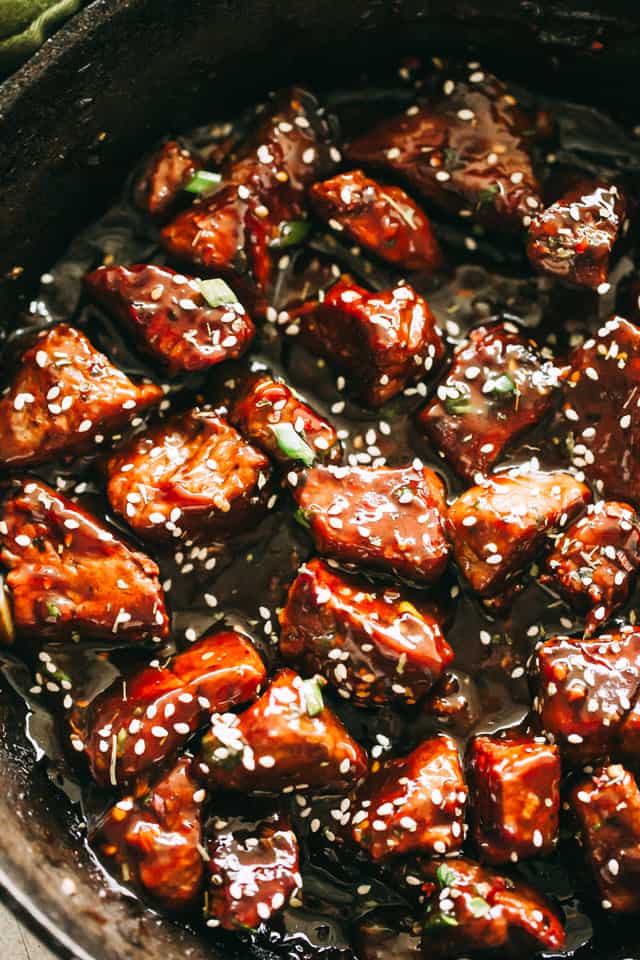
(216,292)
(313,697)
(202,181)
(292,444)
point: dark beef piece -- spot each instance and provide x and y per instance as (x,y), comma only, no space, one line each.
(167,172)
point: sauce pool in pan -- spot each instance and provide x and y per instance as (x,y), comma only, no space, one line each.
(318,525)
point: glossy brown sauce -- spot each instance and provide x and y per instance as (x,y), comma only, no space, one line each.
(243,582)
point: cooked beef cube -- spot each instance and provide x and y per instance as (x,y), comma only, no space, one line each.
(515,788)
(287,738)
(373,645)
(171,317)
(602,410)
(254,870)
(166,173)
(465,149)
(382,341)
(474,909)
(141,720)
(497,388)
(191,475)
(380,218)
(70,575)
(388,518)
(276,419)
(595,560)
(413,804)
(586,688)
(573,238)
(498,526)
(607,806)
(156,838)
(65,398)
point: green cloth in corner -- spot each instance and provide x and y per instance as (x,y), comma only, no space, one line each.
(26,24)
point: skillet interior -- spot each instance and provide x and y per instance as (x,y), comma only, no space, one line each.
(132,74)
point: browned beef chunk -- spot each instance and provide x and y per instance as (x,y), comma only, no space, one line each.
(388,518)
(382,341)
(65,398)
(288,738)
(497,387)
(516,800)
(372,645)
(380,218)
(192,475)
(413,804)
(69,574)
(171,317)
(498,526)
(594,562)
(573,238)
(166,174)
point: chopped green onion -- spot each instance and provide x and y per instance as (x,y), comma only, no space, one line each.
(53,611)
(441,920)
(216,292)
(313,697)
(487,196)
(504,385)
(459,404)
(301,518)
(202,181)
(446,876)
(479,907)
(292,444)
(292,232)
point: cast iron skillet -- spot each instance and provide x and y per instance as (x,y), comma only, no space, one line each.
(71,122)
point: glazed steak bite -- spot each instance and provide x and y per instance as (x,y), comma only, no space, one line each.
(69,575)
(276,419)
(498,526)
(515,788)
(382,341)
(594,562)
(607,806)
(413,804)
(472,908)
(465,149)
(601,409)
(498,387)
(387,518)
(573,238)
(166,174)
(586,689)
(287,739)
(383,219)
(141,720)
(373,646)
(191,475)
(65,398)
(156,838)
(171,317)
(254,870)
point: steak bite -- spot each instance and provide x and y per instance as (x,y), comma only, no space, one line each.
(156,838)
(383,219)
(372,645)
(141,720)
(254,870)
(607,806)
(382,341)
(167,172)
(474,909)
(465,148)
(65,398)
(190,475)
(172,316)
(498,526)
(573,238)
(498,387)
(594,562)
(70,575)
(600,405)
(413,804)
(586,689)
(516,800)
(276,419)
(288,738)
(387,518)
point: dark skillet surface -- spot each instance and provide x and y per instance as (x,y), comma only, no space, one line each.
(39,852)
